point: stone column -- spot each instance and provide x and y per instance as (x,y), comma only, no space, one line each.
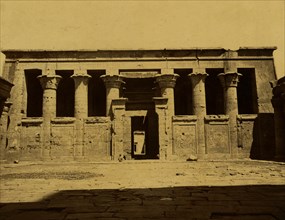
(118,111)
(165,143)
(80,110)
(3,127)
(199,107)
(16,113)
(113,84)
(229,81)
(167,83)
(81,94)
(49,84)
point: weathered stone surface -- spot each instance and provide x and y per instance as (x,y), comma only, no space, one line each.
(147,79)
(97,141)
(31,136)
(246,135)
(62,141)
(185,137)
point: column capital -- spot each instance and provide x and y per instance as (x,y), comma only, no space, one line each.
(49,81)
(166,80)
(197,77)
(229,79)
(78,76)
(112,81)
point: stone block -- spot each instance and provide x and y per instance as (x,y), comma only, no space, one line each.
(97,141)
(184,140)
(62,141)
(31,137)
(217,138)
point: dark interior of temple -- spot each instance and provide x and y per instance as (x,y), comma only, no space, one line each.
(96,94)
(34,93)
(65,94)
(246,92)
(214,92)
(183,92)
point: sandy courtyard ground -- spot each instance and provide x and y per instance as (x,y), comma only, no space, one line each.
(143,190)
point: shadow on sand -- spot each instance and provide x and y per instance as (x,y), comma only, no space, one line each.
(203,202)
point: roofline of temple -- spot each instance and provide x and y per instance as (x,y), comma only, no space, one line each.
(140,49)
(143,53)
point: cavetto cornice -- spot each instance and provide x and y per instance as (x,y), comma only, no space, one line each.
(114,54)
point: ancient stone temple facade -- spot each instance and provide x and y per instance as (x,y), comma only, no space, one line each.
(170,104)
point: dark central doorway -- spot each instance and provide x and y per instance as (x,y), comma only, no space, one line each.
(143,130)
(139,133)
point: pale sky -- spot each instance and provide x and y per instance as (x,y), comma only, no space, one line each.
(69,25)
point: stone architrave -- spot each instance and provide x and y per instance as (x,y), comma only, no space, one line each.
(49,84)
(167,83)
(80,110)
(199,107)
(113,84)
(229,81)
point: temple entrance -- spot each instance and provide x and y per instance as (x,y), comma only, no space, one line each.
(144,137)
(141,126)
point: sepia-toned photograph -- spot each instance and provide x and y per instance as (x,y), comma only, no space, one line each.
(137,110)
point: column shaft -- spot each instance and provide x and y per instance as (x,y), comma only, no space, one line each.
(80,110)
(169,93)
(111,93)
(113,84)
(49,84)
(231,102)
(16,113)
(81,95)
(165,148)
(49,104)
(118,109)
(199,94)
(167,83)
(3,127)
(229,82)
(199,107)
